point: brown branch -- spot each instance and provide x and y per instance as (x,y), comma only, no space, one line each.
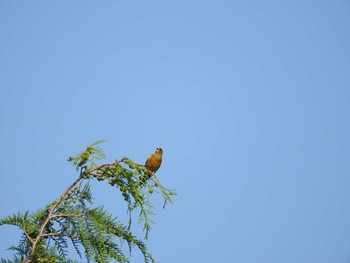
(107,164)
(49,216)
(29,238)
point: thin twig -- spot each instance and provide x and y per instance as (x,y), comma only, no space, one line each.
(107,164)
(66,215)
(58,234)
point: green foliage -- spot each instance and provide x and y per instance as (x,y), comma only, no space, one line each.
(71,220)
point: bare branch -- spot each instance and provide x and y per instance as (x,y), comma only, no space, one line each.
(29,238)
(106,165)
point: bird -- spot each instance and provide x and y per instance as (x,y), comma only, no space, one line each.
(154,161)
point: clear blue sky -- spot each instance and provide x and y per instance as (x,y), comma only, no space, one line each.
(250,101)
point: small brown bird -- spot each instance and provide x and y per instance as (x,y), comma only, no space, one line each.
(154,161)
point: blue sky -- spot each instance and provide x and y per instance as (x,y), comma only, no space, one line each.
(248,99)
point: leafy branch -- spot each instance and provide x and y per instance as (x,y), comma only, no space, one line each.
(72,219)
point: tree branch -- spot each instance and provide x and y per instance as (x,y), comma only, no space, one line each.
(49,216)
(106,165)
(29,238)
